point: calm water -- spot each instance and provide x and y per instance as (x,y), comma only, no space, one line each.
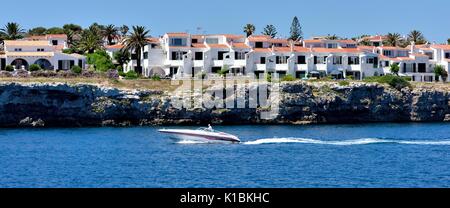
(373,155)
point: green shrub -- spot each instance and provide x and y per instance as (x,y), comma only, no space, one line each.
(224,70)
(394,81)
(344,83)
(9,68)
(288,78)
(131,75)
(268,77)
(350,77)
(35,67)
(156,78)
(76,69)
(101,61)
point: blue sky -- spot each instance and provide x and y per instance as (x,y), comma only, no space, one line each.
(318,17)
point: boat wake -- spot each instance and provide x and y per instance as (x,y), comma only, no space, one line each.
(364,141)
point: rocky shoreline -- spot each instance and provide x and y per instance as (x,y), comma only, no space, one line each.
(63,105)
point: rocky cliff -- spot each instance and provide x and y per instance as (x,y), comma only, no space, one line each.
(300,103)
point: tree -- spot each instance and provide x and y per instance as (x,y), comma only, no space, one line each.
(122,57)
(37,31)
(393,39)
(448,41)
(136,42)
(395,69)
(296,30)
(332,37)
(73,32)
(101,60)
(55,30)
(416,37)
(12,31)
(91,40)
(111,32)
(270,30)
(439,71)
(249,29)
(124,30)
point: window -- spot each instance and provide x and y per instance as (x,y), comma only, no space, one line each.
(447,55)
(430,55)
(370,60)
(331,45)
(221,55)
(351,46)
(337,60)
(17,49)
(54,42)
(386,63)
(178,55)
(259,45)
(239,55)
(301,60)
(320,59)
(198,56)
(194,40)
(40,49)
(422,68)
(353,60)
(278,44)
(402,53)
(262,60)
(145,55)
(212,40)
(282,59)
(177,42)
(387,53)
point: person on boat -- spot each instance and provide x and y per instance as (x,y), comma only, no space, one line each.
(210,128)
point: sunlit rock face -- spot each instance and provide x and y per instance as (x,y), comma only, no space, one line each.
(51,105)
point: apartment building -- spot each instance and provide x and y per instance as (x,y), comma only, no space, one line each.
(45,51)
(178,55)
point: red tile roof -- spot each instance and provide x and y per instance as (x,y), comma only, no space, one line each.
(217,46)
(178,34)
(117,46)
(64,36)
(262,50)
(240,45)
(198,45)
(443,47)
(336,50)
(259,38)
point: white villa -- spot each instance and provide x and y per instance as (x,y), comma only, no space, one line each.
(45,51)
(178,55)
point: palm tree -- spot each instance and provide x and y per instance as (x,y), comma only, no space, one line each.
(416,37)
(332,37)
(111,32)
(136,42)
(12,31)
(249,29)
(91,40)
(124,30)
(393,39)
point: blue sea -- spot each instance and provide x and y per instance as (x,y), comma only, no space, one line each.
(365,155)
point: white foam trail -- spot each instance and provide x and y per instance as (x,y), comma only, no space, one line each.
(190,142)
(364,141)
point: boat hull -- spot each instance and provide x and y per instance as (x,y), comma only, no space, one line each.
(201,137)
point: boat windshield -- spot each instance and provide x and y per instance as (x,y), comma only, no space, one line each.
(208,130)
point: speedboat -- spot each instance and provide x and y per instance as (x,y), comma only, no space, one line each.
(204,135)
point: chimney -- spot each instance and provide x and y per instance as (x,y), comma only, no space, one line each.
(413,47)
(291,42)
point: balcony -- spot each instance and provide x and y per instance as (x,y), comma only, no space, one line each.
(217,63)
(174,62)
(260,67)
(281,67)
(199,63)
